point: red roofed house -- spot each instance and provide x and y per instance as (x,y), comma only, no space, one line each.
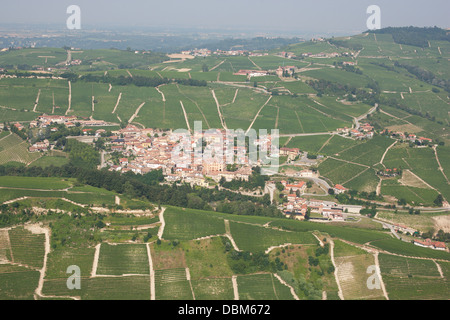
(338,189)
(427,243)
(301,186)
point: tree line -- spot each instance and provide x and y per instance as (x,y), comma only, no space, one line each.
(147,187)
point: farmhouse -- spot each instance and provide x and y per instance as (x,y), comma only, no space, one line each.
(289,152)
(40,146)
(428,243)
(299,186)
(338,189)
(252,73)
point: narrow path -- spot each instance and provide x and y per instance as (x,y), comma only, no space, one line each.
(188,278)
(163,223)
(298,118)
(276,120)
(129,73)
(326,142)
(136,113)
(378,189)
(198,107)
(93,107)
(110,88)
(222,120)
(229,236)
(95,264)
(254,64)
(53,105)
(235,287)
(37,100)
(287,285)
(217,65)
(257,114)
(235,95)
(385,152)
(358,164)
(276,247)
(70,98)
(439,269)
(340,294)
(152,273)
(320,241)
(377,264)
(343,183)
(162,94)
(439,164)
(185,116)
(117,103)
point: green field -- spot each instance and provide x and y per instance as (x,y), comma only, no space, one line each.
(262,287)
(188,224)
(27,248)
(255,238)
(14,149)
(172,284)
(123,259)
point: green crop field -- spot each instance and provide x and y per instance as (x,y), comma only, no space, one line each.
(416,288)
(409,249)
(123,259)
(35,183)
(172,284)
(207,259)
(114,288)
(262,287)
(27,248)
(402,267)
(14,149)
(213,289)
(355,235)
(17,283)
(255,238)
(188,224)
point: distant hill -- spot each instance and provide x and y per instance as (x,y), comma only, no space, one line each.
(415,36)
(258,43)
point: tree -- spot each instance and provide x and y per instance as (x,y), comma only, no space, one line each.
(308,214)
(205,68)
(439,200)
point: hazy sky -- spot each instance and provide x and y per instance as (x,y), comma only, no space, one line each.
(332,16)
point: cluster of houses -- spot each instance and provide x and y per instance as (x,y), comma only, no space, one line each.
(327,55)
(365,131)
(145,150)
(407,138)
(297,207)
(75,62)
(204,52)
(389,173)
(252,73)
(45,121)
(40,146)
(286,71)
